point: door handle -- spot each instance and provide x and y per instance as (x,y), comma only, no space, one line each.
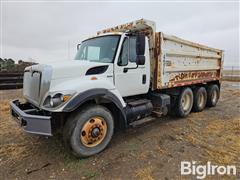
(125,70)
(144,79)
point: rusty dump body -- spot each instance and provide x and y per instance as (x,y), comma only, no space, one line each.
(179,62)
(174,61)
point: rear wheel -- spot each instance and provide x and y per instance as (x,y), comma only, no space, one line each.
(200,99)
(89,131)
(184,103)
(213,95)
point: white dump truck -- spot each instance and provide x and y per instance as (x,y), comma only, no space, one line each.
(121,75)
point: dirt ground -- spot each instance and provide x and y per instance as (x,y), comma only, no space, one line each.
(149,151)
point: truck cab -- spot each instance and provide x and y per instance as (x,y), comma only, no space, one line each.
(111,83)
(119,52)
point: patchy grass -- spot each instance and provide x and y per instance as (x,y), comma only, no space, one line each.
(77,165)
(226,149)
(144,173)
(4,107)
(89,174)
(72,162)
(12,152)
(220,140)
(132,146)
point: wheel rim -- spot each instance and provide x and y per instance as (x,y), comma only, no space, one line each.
(201,100)
(214,96)
(93,132)
(186,102)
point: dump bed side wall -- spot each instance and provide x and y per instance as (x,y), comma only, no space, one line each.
(180,62)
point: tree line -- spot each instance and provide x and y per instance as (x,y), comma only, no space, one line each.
(9,65)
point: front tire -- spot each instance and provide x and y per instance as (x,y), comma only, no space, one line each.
(88,131)
(184,102)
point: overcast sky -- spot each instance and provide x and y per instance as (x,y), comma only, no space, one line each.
(44,30)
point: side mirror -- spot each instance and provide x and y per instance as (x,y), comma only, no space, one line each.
(140,44)
(78,46)
(140,60)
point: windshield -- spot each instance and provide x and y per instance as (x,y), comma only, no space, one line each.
(99,49)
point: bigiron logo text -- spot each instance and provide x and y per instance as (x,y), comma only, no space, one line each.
(201,171)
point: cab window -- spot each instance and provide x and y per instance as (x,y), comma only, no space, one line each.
(123,58)
(93,53)
(132,49)
(128,51)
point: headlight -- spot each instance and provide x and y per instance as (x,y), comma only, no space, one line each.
(56,99)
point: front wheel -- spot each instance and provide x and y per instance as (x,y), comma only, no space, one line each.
(88,131)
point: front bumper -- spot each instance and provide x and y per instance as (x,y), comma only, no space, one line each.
(32,120)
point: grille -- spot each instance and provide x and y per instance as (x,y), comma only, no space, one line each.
(36,83)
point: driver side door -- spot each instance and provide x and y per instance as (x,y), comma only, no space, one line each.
(129,79)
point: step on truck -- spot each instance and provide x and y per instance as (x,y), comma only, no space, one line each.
(119,76)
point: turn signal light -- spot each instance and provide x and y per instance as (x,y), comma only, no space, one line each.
(94,78)
(66,98)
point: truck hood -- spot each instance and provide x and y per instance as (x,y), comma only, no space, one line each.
(72,68)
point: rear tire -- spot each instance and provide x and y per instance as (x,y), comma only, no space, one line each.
(200,99)
(88,131)
(213,94)
(184,102)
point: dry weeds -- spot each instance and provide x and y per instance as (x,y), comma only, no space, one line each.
(220,140)
(144,173)
(4,108)
(13,152)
